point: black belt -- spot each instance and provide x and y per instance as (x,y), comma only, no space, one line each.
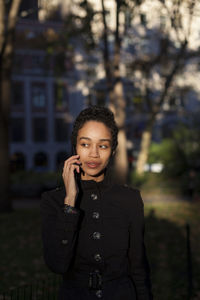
(94,280)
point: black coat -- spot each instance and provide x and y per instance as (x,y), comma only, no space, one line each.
(102,246)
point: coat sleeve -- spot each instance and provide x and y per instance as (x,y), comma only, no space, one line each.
(140,271)
(59,232)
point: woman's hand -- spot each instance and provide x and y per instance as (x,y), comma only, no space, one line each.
(70,165)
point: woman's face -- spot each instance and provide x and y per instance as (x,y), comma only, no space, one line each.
(94,145)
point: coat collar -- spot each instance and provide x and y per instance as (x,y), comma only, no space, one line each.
(86,185)
(92,184)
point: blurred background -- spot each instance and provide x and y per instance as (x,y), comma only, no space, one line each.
(140,58)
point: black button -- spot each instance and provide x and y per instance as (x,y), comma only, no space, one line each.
(99,294)
(94,196)
(96,235)
(97,257)
(64,242)
(95,215)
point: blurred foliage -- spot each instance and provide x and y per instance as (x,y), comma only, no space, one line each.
(180,156)
(181,152)
(139,180)
(169,153)
(31,177)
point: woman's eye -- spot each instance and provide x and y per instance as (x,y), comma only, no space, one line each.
(103,146)
(85,145)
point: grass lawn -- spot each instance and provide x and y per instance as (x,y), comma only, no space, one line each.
(166,246)
(21,249)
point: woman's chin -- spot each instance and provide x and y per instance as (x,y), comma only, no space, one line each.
(92,173)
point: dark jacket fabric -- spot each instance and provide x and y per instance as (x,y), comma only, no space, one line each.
(105,237)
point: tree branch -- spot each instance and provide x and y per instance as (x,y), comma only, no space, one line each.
(2,26)
(106,55)
(170,77)
(191,9)
(117,45)
(11,24)
(13,13)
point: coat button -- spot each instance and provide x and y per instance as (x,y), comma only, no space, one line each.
(94,197)
(64,242)
(97,257)
(95,215)
(96,235)
(99,294)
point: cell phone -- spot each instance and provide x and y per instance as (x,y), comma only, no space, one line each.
(77,175)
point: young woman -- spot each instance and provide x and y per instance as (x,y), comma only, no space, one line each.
(92,228)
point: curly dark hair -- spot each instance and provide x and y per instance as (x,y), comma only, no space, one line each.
(99,114)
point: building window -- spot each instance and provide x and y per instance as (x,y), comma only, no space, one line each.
(38,96)
(17,95)
(61,96)
(39,130)
(60,158)
(17,162)
(40,161)
(37,62)
(17,130)
(61,130)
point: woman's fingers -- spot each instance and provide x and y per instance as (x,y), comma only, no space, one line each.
(74,157)
(71,164)
(74,167)
(78,169)
(70,161)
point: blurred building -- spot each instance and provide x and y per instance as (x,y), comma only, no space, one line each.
(48,94)
(44,101)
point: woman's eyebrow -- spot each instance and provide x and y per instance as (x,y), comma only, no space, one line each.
(105,140)
(84,138)
(87,138)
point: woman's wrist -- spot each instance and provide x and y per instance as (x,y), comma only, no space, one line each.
(70,209)
(69,201)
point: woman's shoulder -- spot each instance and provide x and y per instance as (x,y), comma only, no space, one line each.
(126,189)
(128,193)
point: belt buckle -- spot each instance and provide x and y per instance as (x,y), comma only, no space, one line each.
(95,280)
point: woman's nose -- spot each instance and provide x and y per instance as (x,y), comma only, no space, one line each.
(94,151)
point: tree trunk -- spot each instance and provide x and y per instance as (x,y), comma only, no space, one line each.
(144,147)
(7,32)
(5,95)
(121,160)
(5,200)
(118,105)
(147,134)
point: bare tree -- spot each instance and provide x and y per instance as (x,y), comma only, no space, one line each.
(8,21)
(117,101)
(170,60)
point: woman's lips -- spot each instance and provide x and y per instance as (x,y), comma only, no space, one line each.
(92,165)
